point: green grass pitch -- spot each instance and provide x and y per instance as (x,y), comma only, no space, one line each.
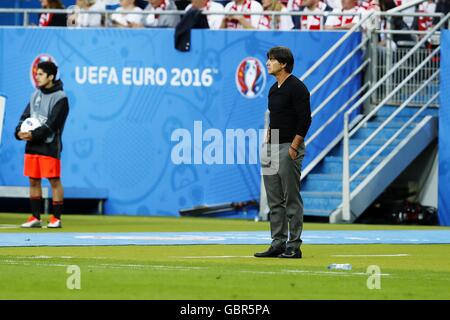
(216,271)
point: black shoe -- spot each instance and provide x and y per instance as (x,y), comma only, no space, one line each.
(291,253)
(271,252)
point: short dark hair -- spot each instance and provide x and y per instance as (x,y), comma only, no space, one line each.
(49,68)
(283,55)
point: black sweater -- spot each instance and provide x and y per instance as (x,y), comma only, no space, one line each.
(54,125)
(289,108)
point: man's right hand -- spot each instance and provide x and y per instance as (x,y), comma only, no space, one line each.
(24,136)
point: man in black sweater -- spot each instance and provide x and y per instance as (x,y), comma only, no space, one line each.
(48,106)
(290,119)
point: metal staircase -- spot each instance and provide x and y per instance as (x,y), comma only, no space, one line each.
(322,187)
(398,122)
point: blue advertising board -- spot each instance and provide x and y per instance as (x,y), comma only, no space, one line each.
(132,97)
(444,129)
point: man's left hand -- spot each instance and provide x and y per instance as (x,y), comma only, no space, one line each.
(293,153)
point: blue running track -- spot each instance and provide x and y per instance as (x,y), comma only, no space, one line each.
(199,238)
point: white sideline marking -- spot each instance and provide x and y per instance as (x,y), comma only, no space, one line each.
(154,238)
(334,273)
(371,255)
(9,226)
(186,268)
(43,257)
(212,257)
(103,266)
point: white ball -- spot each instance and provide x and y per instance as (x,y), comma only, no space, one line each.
(30,124)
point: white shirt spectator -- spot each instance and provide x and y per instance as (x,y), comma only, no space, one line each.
(108,2)
(156,20)
(425,23)
(124,19)
(285,22)
(311,22)
(369,5)
(248,6)
(340,21)
(91,19)
(335,4)
(294,5)
(408,19)
(214,20)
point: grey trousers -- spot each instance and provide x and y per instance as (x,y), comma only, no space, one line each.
(283,196)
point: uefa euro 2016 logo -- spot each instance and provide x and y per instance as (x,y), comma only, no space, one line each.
(40,58)
(250,77)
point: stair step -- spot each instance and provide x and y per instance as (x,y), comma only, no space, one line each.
(408,111)
(321,190)
(368,150)
(317,213)
(392,124)
(398,120)
(374,141)
(333,164)
(327,182)
(321,200)
(357,159)
(386,133)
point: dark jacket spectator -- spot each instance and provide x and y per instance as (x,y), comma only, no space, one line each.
(444,7)
(193,19)
(52,19)
(397,23)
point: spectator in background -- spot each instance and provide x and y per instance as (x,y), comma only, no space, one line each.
(313,22)
(344,22)
(141,3)
(109,4)
(425,23)
(238,21)
(369,5)
(397,23)
(279,23)
(81,19)
(444,7)
(335,4)
(294,5)
(127,20)
(192,19)
(156,20)
(52,19)
(408,19)
(214,20)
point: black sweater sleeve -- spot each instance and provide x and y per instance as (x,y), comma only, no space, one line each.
(54,122)
(303,110)
(25,115)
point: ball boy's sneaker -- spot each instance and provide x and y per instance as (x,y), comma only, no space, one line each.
(32,222)
(54,223)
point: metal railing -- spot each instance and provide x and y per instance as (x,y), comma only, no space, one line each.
(106,14)
(394,50)
(372,68)
(360,70)
(407,5)
(416,69)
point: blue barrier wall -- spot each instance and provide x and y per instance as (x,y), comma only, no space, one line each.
(17,18)
(444,129)
(130,89)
